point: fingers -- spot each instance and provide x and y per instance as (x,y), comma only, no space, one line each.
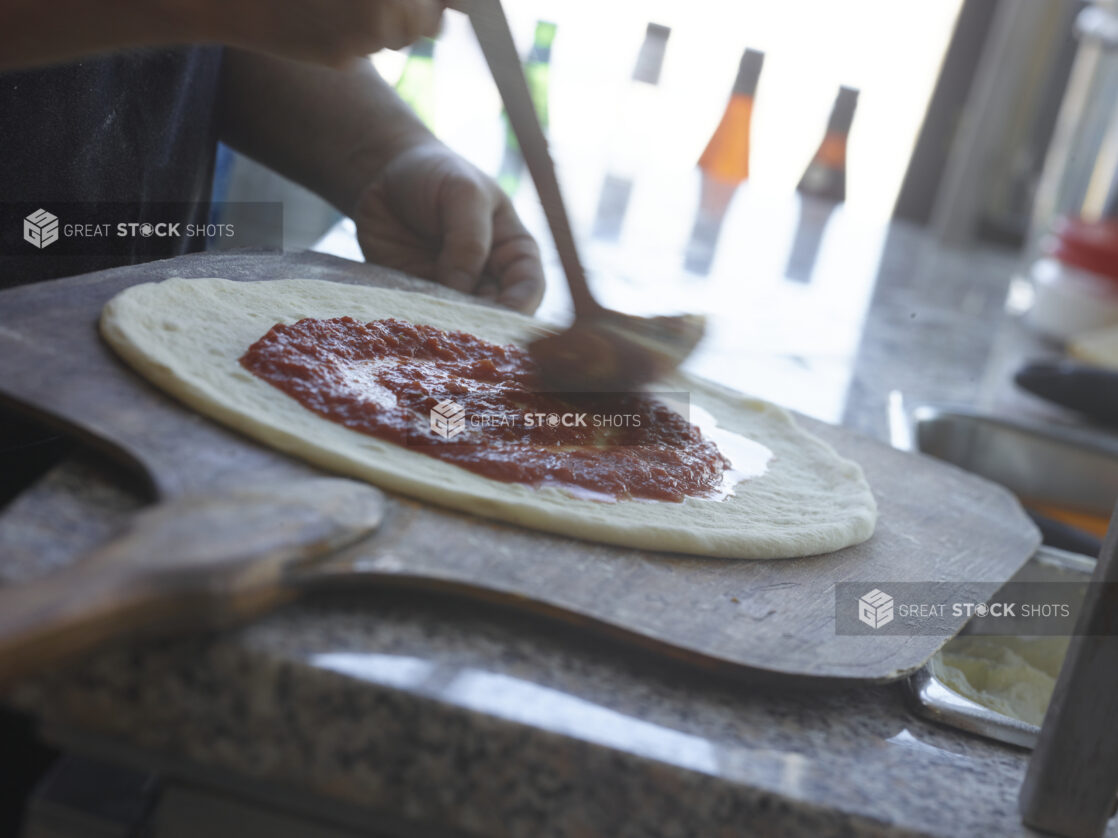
(433,215)
(515,262)
(428,16)
(393,24)
(485,249)
(466,219)
(487,288)
(385,240)
(348,29)
(328,32)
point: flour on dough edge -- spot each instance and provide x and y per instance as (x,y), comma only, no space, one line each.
(186,336)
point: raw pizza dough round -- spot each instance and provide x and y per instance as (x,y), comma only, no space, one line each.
(187,335)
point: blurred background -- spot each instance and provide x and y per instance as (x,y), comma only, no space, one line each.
(750,159)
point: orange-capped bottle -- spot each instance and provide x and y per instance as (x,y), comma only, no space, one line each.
(724,165)
(726,157)
(825,176)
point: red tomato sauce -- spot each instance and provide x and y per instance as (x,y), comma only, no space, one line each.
(385,378)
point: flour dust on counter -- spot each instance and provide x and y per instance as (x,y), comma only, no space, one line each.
(189,336)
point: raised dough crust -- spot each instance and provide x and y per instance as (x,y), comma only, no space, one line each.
(186,336)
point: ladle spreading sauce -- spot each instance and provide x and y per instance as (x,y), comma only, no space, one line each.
(385,378)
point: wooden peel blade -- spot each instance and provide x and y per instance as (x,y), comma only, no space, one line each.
(603,349)
(187,564)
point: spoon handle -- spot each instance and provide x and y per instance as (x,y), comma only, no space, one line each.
(492,29)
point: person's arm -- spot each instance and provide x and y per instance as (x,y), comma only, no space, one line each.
(418,206)
(35,33)
(330,32)
(332,131)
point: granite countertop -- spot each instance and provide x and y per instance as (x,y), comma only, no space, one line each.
(403,712)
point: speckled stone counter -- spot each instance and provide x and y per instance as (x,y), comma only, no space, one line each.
(410,714)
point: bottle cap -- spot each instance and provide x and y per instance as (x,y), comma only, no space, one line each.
(842,114)
(1091,246)
(650,59)
(545,33)
(749,71)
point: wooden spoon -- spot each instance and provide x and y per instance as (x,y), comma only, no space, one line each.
(603,349)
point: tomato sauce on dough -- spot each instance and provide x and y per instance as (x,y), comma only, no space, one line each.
(463,400)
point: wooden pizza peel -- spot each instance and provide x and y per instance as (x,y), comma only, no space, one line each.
(764,620)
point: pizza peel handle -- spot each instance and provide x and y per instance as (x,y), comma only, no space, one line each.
(191,563)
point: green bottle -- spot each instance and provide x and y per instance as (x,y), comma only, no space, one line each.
(417,83)
(537,71)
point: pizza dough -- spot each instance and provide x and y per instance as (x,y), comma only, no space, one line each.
(186,336)
(1014,676)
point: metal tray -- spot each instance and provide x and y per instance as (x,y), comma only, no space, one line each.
(1054,464)
(1051,464)
(933,699)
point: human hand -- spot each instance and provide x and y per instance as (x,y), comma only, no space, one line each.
(433,215)
(329,32)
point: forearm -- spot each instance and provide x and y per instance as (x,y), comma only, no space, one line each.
(333,131)
(34,33)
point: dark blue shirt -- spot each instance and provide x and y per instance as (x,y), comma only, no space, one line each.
(135,131)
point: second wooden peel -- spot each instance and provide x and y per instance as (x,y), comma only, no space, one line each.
(195,562)
(603,349)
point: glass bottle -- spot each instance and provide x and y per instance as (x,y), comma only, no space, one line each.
(726,156)
(724,165)
(638,116)
(825,176)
